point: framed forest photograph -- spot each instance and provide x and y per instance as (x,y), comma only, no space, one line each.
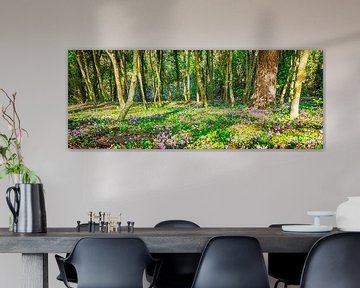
(195,99)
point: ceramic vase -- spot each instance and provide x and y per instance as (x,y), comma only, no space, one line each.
(348,214)
(27,204)
(13,179)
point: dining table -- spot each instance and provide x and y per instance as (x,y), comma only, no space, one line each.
(35,247)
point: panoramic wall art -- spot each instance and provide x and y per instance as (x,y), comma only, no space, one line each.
(195,99)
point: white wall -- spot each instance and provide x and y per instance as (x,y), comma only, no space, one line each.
(215,188)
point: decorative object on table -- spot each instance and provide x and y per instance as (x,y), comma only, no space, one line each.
(27,204)
(316,227)
(28,208)
(195,99)
(131,226)
(348,214)
(101,221)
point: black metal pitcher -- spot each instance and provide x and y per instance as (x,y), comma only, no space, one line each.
(28,208)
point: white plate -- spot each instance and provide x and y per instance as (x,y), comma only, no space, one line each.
(350,229)
(321,213)
(306,228)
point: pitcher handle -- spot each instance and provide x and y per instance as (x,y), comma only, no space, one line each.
(13,208)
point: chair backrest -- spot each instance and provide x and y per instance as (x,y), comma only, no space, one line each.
(232,262)
(178,269)
(333,262)
(176,224)
(110,262)
(286,266)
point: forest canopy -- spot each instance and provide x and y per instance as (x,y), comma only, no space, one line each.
(195,99)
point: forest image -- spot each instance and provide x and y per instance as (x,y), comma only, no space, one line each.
(195,99)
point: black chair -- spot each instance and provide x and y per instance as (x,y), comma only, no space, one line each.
(333,262)
(108,263)
(286,267)
(69,269)
(232,262)
(178,269)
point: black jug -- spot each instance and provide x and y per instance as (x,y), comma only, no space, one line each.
(28,208)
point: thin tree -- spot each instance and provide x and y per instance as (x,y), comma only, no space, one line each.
(250,64)
(294,110)
(116,68)
(229,76)
(290,77)
(188,92)
(293,75)
(84,69)
(198,79)
(140,78)
(130,98)
(177,69)
(96,58)
(122,60)
(142,70)
(157,64)
(209,71)
(226,76)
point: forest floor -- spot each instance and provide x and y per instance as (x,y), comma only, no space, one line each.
(179,125)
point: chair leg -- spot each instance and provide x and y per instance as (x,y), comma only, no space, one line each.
(278,282)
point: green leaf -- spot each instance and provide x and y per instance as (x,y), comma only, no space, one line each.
(3,173)
(4,137)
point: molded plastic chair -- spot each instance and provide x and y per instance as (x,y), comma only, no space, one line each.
(232,262)
(178,269)
(286,267)
(333,262)
(69,269)
(108,263)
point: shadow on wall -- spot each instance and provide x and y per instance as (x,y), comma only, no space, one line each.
(136,24)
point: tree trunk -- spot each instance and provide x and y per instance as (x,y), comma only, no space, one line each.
(198,79)
(143,67)
(166,80)
(294,111)
(231,77)
(188,93)
(122,61)
(151,75)
(98,73)
(251,57)
(130,98)
(266,75)
(288,78)
(139,75)
(293,76)
(226,76)
(157,65)
(176,59)
(82,85)
(209,72)
(84,69)
(119,88)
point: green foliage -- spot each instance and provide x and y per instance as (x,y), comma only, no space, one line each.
(12,161)
(213,69)
(188,126)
